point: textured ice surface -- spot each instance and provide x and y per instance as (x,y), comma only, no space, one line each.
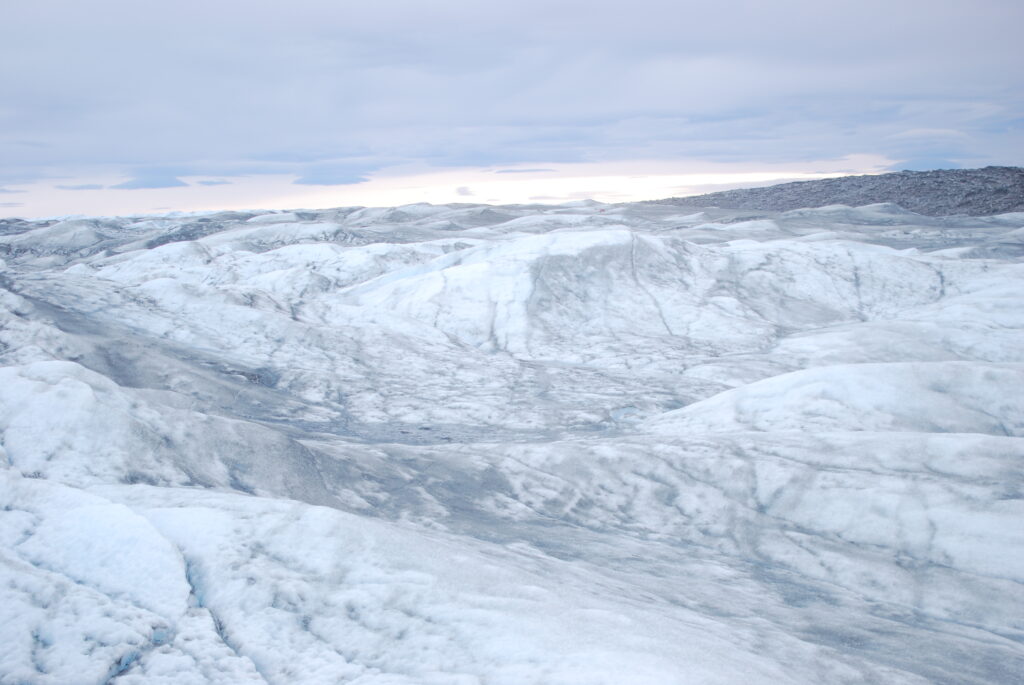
(465,444)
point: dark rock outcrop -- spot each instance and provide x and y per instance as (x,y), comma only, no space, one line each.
(946,192)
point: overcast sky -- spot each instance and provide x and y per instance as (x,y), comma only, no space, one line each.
(228,102)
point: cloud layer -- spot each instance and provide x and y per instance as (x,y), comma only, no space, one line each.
(330,92)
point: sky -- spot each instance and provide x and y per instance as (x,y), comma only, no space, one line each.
(144,106)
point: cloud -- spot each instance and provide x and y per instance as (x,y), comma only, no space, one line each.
(12,204)
(335,173)
(151,180)
(705,188)
(329,178)
(6,191)
(522,171)
(925,164)
(213,182)
(464,191)
(307,89)
(929,133)
(81,186)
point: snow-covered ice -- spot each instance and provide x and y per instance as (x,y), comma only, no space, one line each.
(466,444)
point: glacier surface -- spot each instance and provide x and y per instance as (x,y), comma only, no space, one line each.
(472,445)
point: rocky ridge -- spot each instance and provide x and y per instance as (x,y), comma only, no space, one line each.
(943,192)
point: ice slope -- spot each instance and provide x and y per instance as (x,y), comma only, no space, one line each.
(933,397)
(522,444)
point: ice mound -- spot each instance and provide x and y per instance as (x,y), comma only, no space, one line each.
(935,397)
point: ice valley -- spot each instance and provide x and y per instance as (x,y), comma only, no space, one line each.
(475,445)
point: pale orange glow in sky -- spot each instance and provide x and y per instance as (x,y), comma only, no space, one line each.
(555,183)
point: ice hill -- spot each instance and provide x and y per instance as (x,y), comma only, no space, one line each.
(945,192)
(466,445)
